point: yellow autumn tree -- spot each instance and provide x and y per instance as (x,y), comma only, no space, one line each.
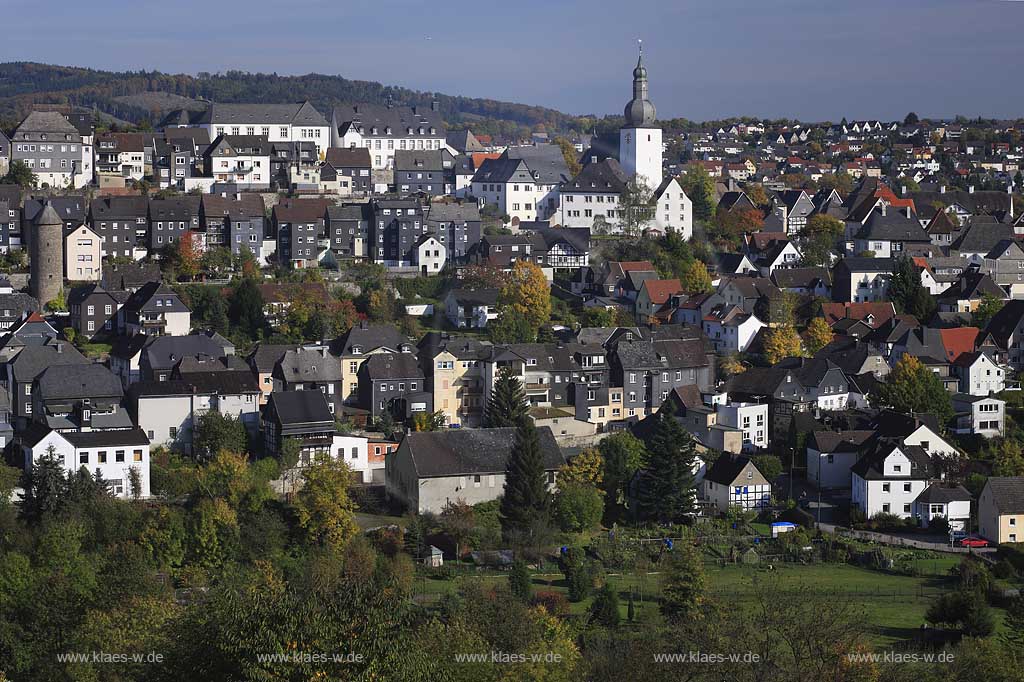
(819,335)
(730,365)
(586,468)
(782,342)
(324,509)
(527,293)
(694,278)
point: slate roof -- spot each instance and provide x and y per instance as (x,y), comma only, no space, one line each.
(727,468)
(1004,322)
(300,113)
(870,466)
(892,225)
(106,437)
(163,352)
(940,494)
(348,157)
(475,296)
(301,365)
(79,381)
(45,122)
(840,441)
(460,452)
(982,238)
(398,118)
(1007,493)
(248,205)
(972,285)
(604,176)
(790,278)
(392,366)
(300,407)
(861,264)
(32,360)
(144,298)
(369,337)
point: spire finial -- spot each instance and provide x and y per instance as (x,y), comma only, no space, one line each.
(640,45)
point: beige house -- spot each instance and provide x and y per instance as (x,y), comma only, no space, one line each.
(82,255)
(433,468)
(457,380)
(1001,509)
(358,344)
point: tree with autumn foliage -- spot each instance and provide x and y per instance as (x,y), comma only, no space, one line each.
(912,387)
(819,335)
(483,276)
(527,293)
(187,256)
(695,278)
(782,342)
(324,510)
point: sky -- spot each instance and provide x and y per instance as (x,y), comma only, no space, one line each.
(813,60)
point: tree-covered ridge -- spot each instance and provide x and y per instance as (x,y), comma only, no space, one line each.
(26,84)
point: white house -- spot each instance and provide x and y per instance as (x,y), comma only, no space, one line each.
(82,255)
(471,309)
(978,374)
(431,254)
(354,452)
(979,415)
(888,479)
(524,182)
(385,129)
(750,418)
(734,481)
(831,455)
(673,210)
(730,329)
(950,503)
(297,122)
(112,453)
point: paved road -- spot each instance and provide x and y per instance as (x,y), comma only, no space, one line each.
(901,541)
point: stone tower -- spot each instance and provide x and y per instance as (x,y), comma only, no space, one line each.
(640,150)
(46,255)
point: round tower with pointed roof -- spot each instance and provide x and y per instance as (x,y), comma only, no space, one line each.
(640,151)
(46,253)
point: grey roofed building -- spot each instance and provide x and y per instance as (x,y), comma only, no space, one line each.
(365,337)
(266,355)
(129,276)
(348,157)
(392,366)
(545,161)
(299,114)
(300,408)
(463,141)
(976,203)
(72,209)
(604,176)
(840,441)
(389,121)
(15,306)
(862,264)
(1007,493)
(421,170)
(942,494)
(161,353)
(44,122)
(473,451)
(982,238)
(301,365)
(871,465)
(59,382)
(801,278)
(892,225)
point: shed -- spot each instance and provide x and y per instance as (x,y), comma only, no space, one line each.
(434,558)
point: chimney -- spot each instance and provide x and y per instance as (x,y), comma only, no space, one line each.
(942,189)
(60,348)
(435,105)
(903,190)
(910,213)
(238,196)
(970,189)
(323,351)
(363,324)
(883,205)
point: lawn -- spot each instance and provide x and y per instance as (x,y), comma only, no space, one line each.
(893,605)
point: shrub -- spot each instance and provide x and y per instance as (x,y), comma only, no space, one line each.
(554,603)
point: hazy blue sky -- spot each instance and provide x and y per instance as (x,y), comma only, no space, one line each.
(812,59)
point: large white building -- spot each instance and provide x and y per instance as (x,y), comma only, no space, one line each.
(383,130)
(889,479)
(299,122)
(114,454)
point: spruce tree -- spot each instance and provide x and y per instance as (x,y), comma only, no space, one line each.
(519,581)
(682,584)
(605,609)
(526,499)
(46,486)
(507,405)
(668,492)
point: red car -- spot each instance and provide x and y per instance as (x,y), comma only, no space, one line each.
(973,541)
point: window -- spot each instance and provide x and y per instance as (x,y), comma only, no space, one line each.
(906,508)
(101,456)
(885,508)
(906,487)
(173,432)
(885,488)
(119,455)
(137,455)
(83,458)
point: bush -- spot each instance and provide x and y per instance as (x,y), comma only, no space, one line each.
(605,609)
(1013,553)
(884,521)
(578,508)
(519,580)
(800,517)
(579,574)
(554,603)
(1004,570)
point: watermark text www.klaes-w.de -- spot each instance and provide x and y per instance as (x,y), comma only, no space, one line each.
(706,658)
(313,657)
(901,657)
(104,657)
(508,657)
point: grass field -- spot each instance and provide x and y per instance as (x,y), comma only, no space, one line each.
(893,605)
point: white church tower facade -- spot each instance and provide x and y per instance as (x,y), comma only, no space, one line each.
(640,148)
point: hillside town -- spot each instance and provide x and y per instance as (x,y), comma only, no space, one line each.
(639,357)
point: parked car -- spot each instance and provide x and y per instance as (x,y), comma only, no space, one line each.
(973,541)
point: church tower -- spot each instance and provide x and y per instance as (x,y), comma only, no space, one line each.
(640,149)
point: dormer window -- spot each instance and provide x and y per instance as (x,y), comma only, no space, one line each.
(531,362)
(357,350)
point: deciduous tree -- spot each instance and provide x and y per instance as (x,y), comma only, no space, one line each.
(324,509)
(695,278)
(912,387)
(819,335)
(782,342)
(528,293)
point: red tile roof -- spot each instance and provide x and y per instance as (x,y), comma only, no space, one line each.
(659,290)
(958,341)
(882,312)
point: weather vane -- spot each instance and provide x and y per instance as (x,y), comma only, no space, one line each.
(640,42)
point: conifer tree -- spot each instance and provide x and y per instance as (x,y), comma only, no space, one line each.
(507,405)
(526,500)
(668,494)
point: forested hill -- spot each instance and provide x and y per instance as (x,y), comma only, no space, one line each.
(138,96)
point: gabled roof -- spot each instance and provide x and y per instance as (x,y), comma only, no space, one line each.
(1007,493)
(308,365)
(392,366)
(300,407)
(808,278)
(873,314)
(891,225)
(982,237)
(1004,322)
(972,285)
(602,177)
(370,337)
(349,157)
(840,441)
(727,468)
(660,290)
(79,381)
(871,465)
(937,493)
(472,451)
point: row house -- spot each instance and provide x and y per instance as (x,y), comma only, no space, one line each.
(237,221)
(54,149)
(523,183)
(121,156)
(296,122)
(240,160)
(347,171)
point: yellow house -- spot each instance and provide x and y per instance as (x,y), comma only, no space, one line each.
(362,341)
(1001,509)
(457,377)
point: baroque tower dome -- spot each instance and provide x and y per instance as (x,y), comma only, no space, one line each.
(640,111)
